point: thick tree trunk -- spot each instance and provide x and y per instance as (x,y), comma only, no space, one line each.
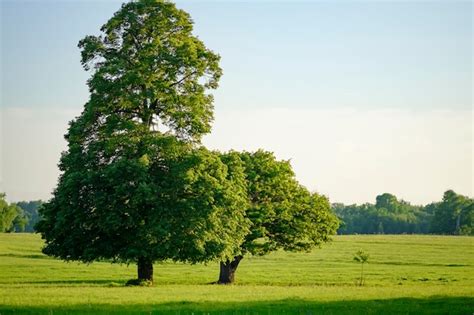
(227,271)
(145,269)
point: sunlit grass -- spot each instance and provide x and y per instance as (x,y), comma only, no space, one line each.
(416,274)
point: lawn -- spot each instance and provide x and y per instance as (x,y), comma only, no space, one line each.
(405,274)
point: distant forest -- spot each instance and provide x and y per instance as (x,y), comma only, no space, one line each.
(389,215)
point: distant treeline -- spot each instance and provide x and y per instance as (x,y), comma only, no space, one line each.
(389,215)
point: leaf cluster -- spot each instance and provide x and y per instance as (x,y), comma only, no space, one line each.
(361,256)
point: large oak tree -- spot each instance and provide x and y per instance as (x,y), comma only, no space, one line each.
(135,186)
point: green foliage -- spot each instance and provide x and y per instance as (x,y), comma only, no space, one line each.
(12,217)
(20,221)
(149,68)
(182,205)
(31,210)
(283,214)
(453,215)
(205,206)
(361,256)
(388,216)
(8,213)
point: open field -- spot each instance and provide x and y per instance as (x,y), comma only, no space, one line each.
(406,274)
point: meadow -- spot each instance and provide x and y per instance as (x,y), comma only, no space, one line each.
(406,274)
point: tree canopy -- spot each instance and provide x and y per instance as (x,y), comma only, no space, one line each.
(180,206)
(150,70)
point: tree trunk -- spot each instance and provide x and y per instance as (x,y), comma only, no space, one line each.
(227,271)
(145,269)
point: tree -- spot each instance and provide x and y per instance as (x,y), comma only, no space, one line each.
(453,215)
(12,217)
(20,221)
(362,258)
(283,214)
(31,212)
(135,185)
(387,201)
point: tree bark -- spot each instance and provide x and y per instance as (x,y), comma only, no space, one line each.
(145,269)
(227,270)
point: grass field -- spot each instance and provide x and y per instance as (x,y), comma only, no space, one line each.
(406,275)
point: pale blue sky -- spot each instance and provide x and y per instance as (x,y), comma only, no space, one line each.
(312,54)
(401,63)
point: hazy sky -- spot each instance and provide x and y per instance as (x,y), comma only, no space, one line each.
(363,97)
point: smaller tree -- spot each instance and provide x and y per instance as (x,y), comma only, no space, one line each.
(282,213)
(361,257)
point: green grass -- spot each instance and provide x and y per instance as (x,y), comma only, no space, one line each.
(405,274)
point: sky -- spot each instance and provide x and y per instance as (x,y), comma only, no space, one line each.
(362,97)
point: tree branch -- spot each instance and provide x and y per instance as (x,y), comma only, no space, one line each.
(183,78)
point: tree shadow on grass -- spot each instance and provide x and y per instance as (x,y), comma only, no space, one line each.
(31,256)
(100,282)
(432,305)
(402,263)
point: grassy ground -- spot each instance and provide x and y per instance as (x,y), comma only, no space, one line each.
(406,274)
